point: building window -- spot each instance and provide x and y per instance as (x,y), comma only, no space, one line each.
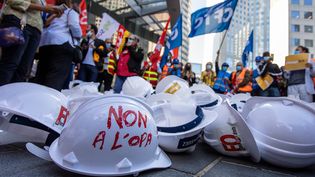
(296,42)
(295,28)
(308,15)
(308,29)
(308,43)
(297,2)
(295,14)
(308,2)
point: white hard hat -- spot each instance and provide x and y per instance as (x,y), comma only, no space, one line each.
(230,135)
(110,136)
(179,123)
(174,85)
(204,96)
(136,86)
(283,129)
(238,101)
(44,105)
(81,90)
(13,133)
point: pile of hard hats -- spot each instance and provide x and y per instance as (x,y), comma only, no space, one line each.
(120,134)
(283,129)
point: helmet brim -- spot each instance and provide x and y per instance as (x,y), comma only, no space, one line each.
(162,161)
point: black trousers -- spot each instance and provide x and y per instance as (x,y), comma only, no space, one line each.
(54,65)
(106,78)
(17,61)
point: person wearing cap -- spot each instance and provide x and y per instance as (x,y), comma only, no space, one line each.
(129,62)
(269,70)
(242,79)
(300,84)
(255,86)
(208,76)
(176,68)
(222,82)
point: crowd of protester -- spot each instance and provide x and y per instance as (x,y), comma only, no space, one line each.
(52,34)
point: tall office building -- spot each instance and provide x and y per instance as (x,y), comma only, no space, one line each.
(185,8)
(292,27)
(249,15)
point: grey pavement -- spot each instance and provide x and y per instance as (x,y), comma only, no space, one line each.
(15,161)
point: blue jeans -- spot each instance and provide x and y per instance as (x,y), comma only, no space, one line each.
(119,83)
(272,91)
(17,61)
(88,73)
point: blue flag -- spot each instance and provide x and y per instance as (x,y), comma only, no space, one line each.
(175,40)
(248,48)
(213,19)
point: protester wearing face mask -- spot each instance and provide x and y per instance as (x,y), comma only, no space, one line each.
(300,83)
(222,82)
(104,76)
(129,62)
(255,86)
(189,75)
(270,74)
(93,56)
(208,76)
(242,80)
(167,68)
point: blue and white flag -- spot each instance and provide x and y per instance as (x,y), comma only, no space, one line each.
(248,48)
(212,19)
(175,39)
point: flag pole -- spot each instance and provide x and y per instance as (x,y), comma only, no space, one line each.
(225,33)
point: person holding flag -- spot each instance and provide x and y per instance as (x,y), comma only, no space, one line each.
(152,68)
(222,83)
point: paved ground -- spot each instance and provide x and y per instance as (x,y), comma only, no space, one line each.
(15,161)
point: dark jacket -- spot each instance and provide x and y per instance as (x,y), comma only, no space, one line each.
(136,58)
(272,69)
(100,50)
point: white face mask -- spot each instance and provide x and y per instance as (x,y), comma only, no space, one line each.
(168,64)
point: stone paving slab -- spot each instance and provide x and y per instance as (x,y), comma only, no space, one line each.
(15,161)
(227,169)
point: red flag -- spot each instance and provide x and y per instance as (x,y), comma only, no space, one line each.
(155,57)
(83,17)
(175,53)
(51,2)
(122,33)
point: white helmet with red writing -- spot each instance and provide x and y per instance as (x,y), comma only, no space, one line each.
(230,135)
(28,105)
(238,101)
(110,136)
(204,96)
(283,129)
(137,86)
(174,85)
(179,123)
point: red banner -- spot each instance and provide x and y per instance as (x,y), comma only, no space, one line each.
(155,57)
(83,17)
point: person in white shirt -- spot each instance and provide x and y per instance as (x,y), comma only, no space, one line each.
(57,47)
